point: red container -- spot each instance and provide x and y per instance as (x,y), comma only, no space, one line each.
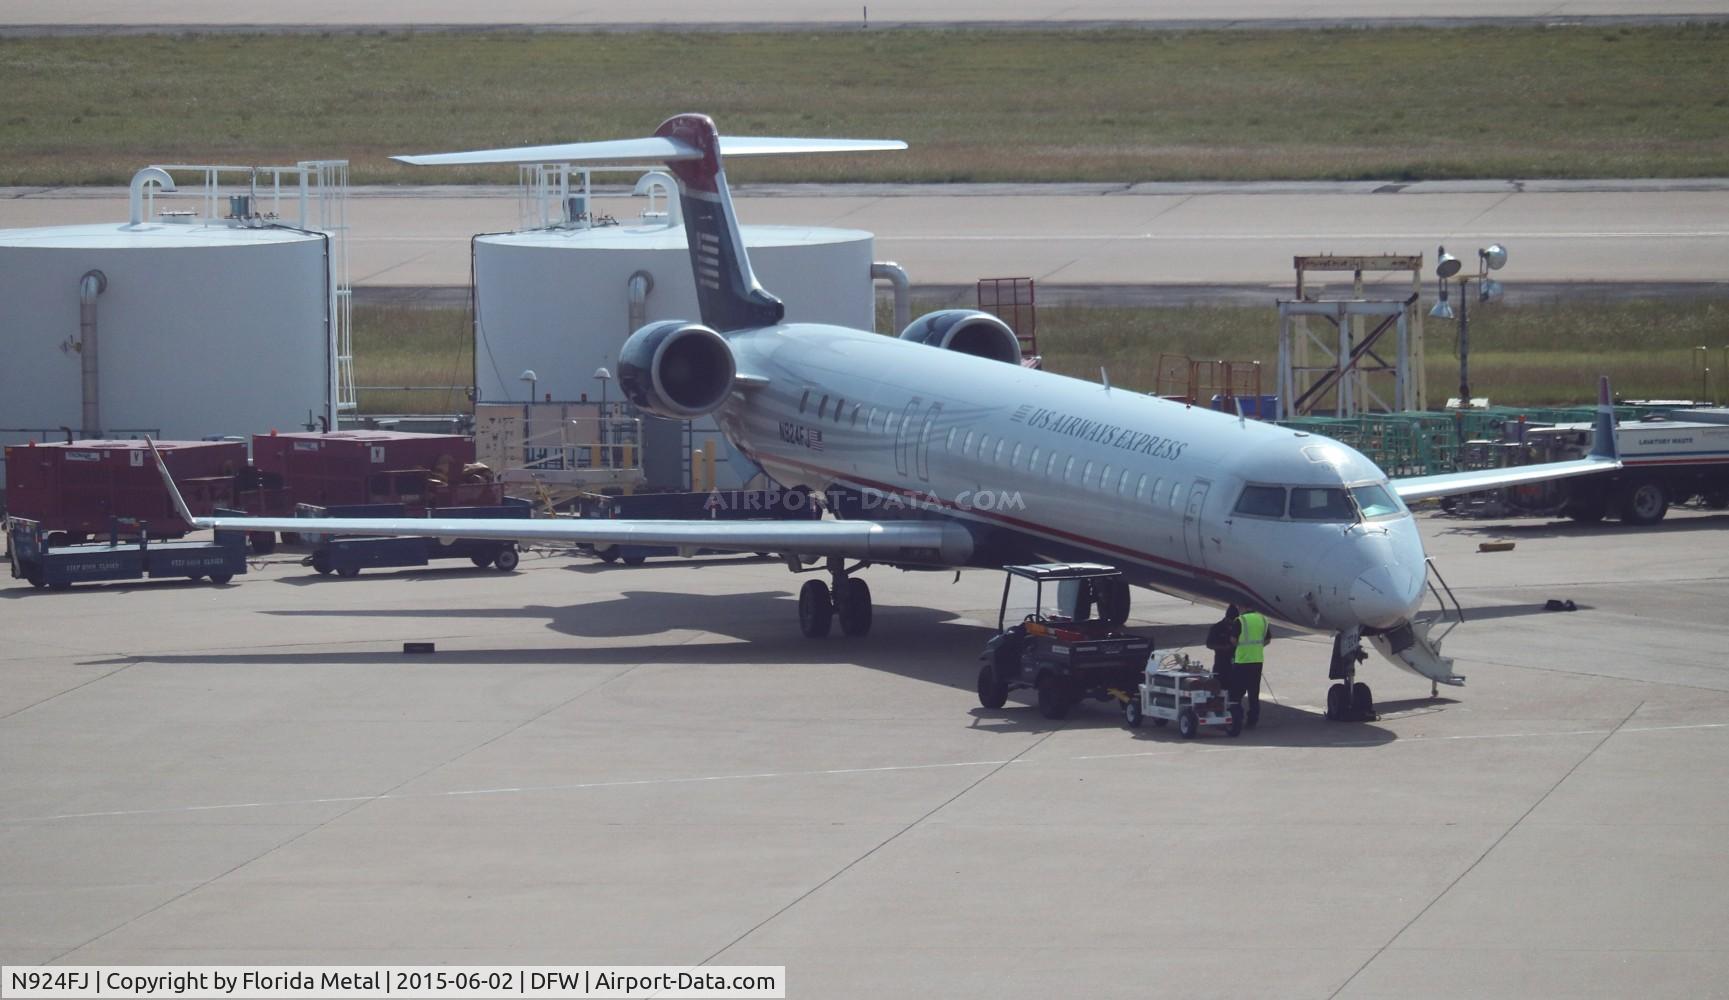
(78,487)
(362,467)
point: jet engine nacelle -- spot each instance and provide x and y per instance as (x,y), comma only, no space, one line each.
(967,331)
(676,369)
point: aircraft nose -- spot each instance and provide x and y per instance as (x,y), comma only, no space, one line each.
(1382,598)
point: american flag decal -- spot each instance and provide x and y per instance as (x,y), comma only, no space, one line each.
(816,439)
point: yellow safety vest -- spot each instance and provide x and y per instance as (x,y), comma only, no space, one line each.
(1252,639)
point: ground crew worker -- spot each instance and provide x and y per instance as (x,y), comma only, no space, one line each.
(1251,635)
(1220,639)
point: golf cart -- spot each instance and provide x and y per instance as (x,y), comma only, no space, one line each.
(1071,649)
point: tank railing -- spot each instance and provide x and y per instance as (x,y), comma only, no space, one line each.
(561,195)
(312,196)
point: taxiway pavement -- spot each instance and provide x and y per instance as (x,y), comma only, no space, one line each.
(108,15)
(649,766)
(1627,232)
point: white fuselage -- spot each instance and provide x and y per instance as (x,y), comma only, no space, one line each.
(1042,466)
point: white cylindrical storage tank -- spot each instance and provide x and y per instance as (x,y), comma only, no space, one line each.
(202,329)
(557,301)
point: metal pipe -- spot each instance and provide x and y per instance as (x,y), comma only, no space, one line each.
(896,276)
(139,180)
(93,283)
(636,290)
(669,190)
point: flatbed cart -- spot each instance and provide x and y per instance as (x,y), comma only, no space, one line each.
(347,555)
(1182,689)
(1064,657)
(133,556)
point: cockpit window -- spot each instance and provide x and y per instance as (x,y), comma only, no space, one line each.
(1375,501)
(1262,501)
(1321,503)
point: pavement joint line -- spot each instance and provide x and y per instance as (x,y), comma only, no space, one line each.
(354,803)
(891,838)
(393,796)
(1488,850)
(129,662)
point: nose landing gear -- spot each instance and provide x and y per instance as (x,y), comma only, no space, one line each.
(1348,700)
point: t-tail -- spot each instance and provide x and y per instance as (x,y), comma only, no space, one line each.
(728,294)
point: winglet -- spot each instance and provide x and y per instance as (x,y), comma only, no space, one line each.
(1603,436)
(180,507)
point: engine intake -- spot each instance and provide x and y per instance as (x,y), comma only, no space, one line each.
(677,369)
(967,331)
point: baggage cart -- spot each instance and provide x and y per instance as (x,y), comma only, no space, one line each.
(1178,688)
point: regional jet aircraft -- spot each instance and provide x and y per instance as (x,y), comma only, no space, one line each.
(938,449)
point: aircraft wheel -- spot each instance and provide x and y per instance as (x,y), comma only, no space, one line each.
(348,572)
(480,562)
(853,603)
(1362,702)
(993,692)
(506,559)
(321,562)
(635,560)
(1133,715)
(221,578)
(1054,697)
(608,556)
(1188,724)
(815,609)
(262,542)
(1644,503)
(1338,703)
(1235,728)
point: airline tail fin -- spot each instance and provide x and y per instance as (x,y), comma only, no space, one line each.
(728,294)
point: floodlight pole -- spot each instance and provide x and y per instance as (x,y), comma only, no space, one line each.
(1464,344)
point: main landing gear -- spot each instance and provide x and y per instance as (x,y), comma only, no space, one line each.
(1348,700)
(849,600)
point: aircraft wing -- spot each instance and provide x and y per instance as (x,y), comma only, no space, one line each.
(1452,483)
(1604,457)
(914,542)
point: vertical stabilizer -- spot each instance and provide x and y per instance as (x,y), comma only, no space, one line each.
(727,292)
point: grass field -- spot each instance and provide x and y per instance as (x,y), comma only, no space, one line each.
(1530,355)
(1117,105)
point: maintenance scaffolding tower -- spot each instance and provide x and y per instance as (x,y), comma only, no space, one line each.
(1352,367)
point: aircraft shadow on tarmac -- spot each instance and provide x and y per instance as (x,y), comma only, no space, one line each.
(925,644)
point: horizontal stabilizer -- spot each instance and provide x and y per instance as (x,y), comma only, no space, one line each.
(654,149)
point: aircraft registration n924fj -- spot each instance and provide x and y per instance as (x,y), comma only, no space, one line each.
(907,438)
